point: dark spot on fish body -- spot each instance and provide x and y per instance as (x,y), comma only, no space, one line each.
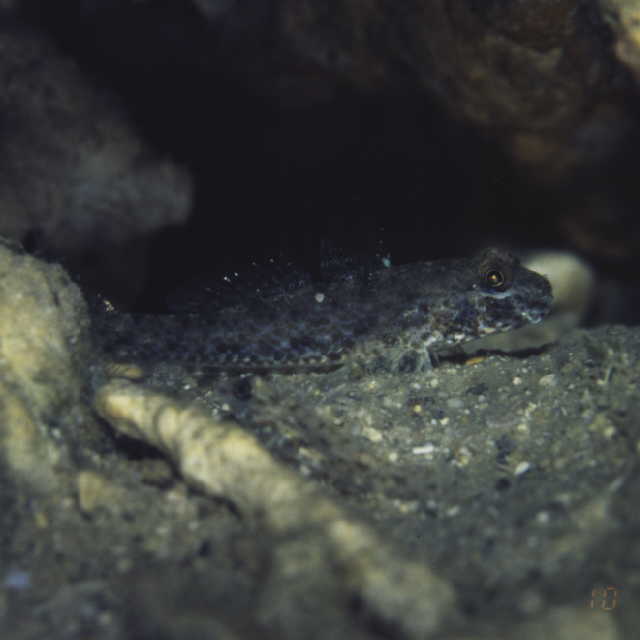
(242,389)
(466,315)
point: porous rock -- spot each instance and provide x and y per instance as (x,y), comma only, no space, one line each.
(43,353)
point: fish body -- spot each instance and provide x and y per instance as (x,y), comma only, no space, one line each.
(389,316)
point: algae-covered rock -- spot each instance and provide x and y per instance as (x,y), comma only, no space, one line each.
(624,17)
(43,359)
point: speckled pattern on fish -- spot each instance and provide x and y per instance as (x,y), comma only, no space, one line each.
(392,317)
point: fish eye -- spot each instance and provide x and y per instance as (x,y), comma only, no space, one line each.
(495,271)
(495,279)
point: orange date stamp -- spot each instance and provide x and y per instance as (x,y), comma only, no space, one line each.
(604,598)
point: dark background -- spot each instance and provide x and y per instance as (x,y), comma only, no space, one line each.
(293,162)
